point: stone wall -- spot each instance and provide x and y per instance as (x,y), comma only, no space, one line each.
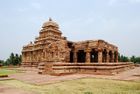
(91,68)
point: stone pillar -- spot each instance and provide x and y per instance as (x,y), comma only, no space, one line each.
(30,57)
(37,55)
(23,57)
(75,56)
(67,56)
(100,55)
(27,57)
(34,57)
(107,56)
(88,56)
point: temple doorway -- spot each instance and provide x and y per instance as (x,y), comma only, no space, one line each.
(115,56)
(110,56)
(93,56)
(71,57)
(81,55)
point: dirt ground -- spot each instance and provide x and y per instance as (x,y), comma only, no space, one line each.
(31,76)
(12,90)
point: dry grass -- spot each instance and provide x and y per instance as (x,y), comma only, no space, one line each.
(79,86)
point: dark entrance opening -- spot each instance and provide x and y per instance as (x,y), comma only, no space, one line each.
(110,56)
(94,56)
(104,58)
(81,55)
(115,56)
(71,57)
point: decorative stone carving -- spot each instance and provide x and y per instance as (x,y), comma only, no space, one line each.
(51,46)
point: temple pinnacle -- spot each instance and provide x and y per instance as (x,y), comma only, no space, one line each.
(50,19)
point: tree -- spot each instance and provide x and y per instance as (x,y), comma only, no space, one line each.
(124,59)
(133,59)
(14,59)
(7,62)
(1,62)
(137,60)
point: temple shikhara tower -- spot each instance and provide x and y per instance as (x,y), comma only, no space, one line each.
(51,48)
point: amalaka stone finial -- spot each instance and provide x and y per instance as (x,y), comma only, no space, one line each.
(50,19)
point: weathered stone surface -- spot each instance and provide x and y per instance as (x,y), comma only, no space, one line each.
(92,68)
(50,46)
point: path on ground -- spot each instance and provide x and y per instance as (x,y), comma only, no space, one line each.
(31,76)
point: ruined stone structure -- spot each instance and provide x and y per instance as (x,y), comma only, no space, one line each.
(52,47)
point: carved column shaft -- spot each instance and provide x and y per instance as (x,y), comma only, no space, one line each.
(68,56)
(75,56)
(87,56)
(34,56)
(23,57)
(100,55)
(107,59)
(30,55)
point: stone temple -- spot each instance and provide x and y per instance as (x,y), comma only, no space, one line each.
(52,53)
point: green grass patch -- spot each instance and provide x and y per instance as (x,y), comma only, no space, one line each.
(79,86)
(5,71)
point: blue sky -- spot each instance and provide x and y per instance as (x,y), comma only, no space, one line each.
(115,21)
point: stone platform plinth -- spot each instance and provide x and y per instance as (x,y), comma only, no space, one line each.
(29,64)
(85,68)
